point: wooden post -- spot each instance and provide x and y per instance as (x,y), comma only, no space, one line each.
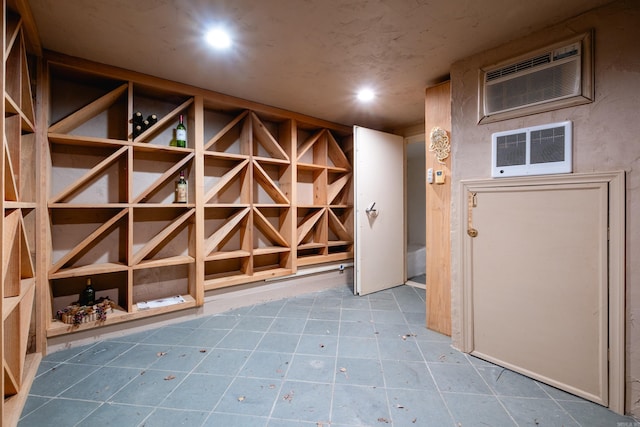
(438,198)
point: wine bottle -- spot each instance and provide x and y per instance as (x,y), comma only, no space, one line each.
(181,134)
(137,130)
(137,124)
(181,189)
(152,119)
(137,118)
(88,296)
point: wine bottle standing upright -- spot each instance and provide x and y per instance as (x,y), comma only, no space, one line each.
(181,189)
(88,296)
(181,134)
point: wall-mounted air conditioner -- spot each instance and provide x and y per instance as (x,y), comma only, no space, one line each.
(550,78)
(536,150)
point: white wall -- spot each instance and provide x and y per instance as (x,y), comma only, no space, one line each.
(606,138)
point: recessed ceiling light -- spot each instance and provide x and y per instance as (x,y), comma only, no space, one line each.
(218,38)
(366,95)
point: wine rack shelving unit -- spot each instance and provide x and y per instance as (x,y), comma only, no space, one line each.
(111,196)
(18,351)
(269,191)
(325,211)
(247,197)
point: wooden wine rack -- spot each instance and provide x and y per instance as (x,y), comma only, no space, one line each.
(18,350)
(111,197)
(269,190)
(324,223)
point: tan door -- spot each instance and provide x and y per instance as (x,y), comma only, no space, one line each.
(539,283)
(379,206)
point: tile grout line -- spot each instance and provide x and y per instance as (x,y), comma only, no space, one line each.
(435,383)
(283,380)
(223,394)
(384,379)
(158,406)
(494,392)
(335,364)
(557,403)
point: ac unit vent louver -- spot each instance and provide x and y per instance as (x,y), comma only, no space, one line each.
(541,78)
(520,66)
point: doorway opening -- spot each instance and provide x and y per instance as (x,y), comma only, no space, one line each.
(416,258)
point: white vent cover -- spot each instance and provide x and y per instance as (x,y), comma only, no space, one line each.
(536,150)
(544,77)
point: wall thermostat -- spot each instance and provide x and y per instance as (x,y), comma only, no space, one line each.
(440,177)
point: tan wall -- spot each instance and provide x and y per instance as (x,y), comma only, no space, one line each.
(606,138)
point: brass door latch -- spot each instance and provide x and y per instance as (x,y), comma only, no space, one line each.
(473,202)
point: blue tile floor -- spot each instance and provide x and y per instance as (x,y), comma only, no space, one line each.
(322,359)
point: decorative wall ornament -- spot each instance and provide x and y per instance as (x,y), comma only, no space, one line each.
(440,144)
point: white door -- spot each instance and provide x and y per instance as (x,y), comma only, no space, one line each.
(540,283)
(379,207)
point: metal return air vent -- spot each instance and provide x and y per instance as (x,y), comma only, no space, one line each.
(535,150)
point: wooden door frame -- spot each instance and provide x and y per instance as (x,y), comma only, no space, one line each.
(616,273)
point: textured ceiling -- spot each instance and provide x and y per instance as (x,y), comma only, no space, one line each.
(307,56)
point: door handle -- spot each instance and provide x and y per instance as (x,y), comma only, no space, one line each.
(473,202)
(371,210)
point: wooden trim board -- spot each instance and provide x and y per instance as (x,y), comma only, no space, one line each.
(438,197)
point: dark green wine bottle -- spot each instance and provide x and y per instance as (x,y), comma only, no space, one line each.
(88,296)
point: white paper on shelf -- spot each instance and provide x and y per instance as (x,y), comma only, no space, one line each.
(162,302)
